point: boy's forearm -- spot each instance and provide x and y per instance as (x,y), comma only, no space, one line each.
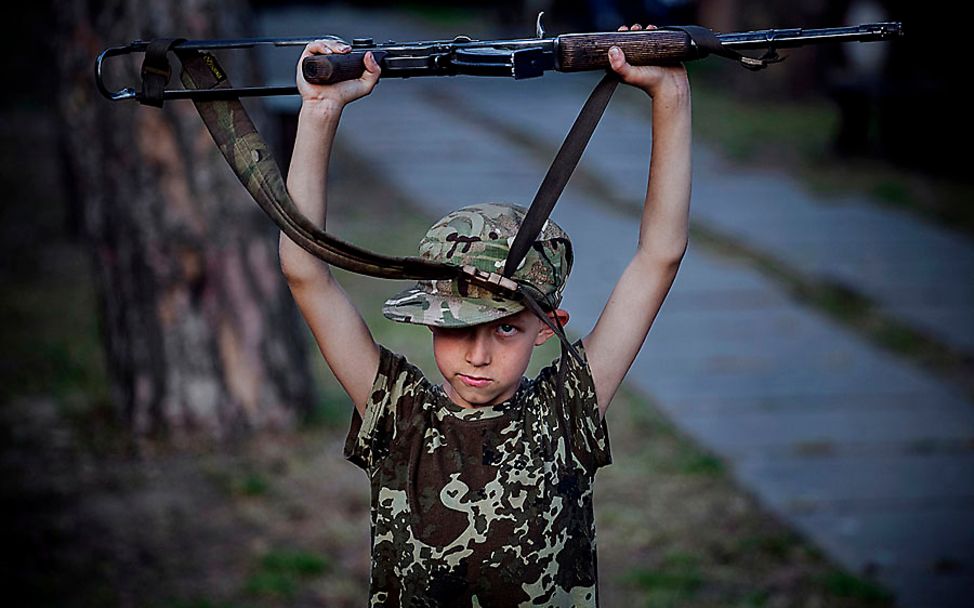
(664,229)
(307,179)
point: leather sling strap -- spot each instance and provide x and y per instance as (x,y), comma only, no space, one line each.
(560,171)
(549,192)
(251,160)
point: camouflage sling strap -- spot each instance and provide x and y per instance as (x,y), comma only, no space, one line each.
(251,160)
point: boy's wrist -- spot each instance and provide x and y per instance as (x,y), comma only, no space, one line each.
(671,97)
(674,84)
(321,110)
(672,94)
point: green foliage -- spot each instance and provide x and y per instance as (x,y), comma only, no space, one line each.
(746,130)
(253,484)
(243,481)
(837,300)
(332,406)
(691,460)
(272,584)
(844,585)
(775,546)
(753,599)
(280,572)
(893,190)
(300,563)
(900,338)
(673,582)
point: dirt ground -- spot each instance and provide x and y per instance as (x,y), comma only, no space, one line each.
(281,519)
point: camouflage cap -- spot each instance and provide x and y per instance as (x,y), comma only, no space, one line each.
(481,236)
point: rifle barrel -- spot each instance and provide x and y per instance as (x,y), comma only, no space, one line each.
(796,37)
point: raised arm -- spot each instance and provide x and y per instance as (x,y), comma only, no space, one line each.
(342,335)
(636,299)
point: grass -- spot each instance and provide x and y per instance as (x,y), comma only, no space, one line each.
(748,131)
(674,582)
(693,461)
(843,585)
(280,572)
(775,545)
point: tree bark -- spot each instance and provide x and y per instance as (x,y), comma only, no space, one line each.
(201,334)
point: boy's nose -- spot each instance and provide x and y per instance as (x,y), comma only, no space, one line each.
(478,349)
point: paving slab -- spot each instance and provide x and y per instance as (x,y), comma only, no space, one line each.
(882,480)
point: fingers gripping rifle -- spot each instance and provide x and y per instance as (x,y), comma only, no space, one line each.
(207,84)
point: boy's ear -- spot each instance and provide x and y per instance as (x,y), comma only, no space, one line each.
(557,316)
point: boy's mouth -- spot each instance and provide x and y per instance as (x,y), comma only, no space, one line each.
(474,381)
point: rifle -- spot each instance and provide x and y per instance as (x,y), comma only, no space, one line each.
(518,59)
(248,154)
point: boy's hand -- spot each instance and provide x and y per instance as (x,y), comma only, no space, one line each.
(654,79)
(340,93)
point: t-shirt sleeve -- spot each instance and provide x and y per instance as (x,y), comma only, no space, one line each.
(577,413)
(370,437)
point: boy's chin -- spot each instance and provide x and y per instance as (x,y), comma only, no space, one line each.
(474,397)
(477,398)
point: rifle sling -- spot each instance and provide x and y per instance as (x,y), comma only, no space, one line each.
(560,171)
(251,160)
(707,43)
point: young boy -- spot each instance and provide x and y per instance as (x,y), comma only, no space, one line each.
(482,484)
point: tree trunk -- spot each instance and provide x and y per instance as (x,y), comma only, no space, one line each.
(201,334)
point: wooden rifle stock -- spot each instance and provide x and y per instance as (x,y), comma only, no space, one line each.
(580,52)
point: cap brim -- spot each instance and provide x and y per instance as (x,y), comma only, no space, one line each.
(415,305)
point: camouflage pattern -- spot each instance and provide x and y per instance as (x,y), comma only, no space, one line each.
(481,236)
(251,160)
(487,507)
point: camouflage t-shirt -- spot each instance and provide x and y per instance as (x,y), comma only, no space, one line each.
(487,507)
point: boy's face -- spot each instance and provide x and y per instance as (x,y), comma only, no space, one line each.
(483,364)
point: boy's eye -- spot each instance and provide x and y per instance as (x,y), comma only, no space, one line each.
(505,329)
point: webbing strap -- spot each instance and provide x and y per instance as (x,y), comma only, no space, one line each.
(156,70)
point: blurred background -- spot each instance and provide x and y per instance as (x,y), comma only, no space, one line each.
(798,430)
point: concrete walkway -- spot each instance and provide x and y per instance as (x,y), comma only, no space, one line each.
(863,452)
(914,271)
